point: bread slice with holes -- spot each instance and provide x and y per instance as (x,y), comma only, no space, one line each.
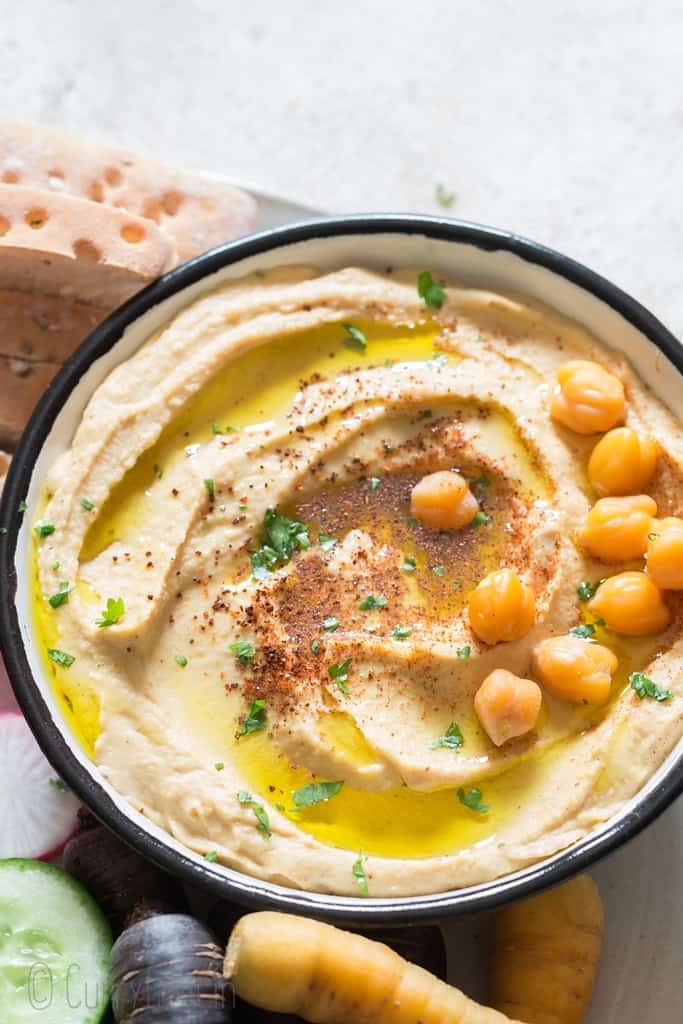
(196,210)
(63,245)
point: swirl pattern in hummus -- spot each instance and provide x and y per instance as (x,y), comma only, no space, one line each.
(335,437)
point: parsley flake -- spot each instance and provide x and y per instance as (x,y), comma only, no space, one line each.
(3,531)
(439,570)
(646,687)
(586,589)
(586,631)
(327,543)
(340,674)
(181,660)
(429,290)
(358,872)
(315,646)
(87,504)
(43,528)
(452,739)
(284,536)
(211,856)
(356,339)
(481,518)
(255,719)
(471,798)
(374,482)
(60,785)
(62,595)
(331,623)
(444,197)
(315,793)
(401,632)
(409,564)
(157,470)
(22,506)
(211,487)
(463,652)
(60,657)
(112,614)
(244,651)
(219,766)
(371,602)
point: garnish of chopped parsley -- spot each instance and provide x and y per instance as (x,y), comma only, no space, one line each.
(181,660)
(401,632)
(255,719)
(112,614)
(430,290)
(586,631)
(481,518)
(358,872)
(340,674)
(211,856)
(259,812)
(60,657)
(355,338)
(646,687)
(371,602)
(87,504)
(463,652)
(327,543)
(315,793)
(374,482)
(409,564)
(315,646)
(586,589)
(62,595)
(219,766)
(439,570)
(331,623)
(244,651)
(471,798)
(452,739)
(43,528)
(211,487)
(443,196)
(283,536)
(60,785)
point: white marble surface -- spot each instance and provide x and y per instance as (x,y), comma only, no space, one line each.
(560,119)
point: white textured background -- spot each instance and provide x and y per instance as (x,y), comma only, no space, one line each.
(561,120)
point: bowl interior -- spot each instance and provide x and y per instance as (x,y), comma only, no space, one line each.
(473,255)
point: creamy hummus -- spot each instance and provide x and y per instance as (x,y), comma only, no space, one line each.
(254,610)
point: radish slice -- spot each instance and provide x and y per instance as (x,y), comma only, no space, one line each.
(38,814)
(7,701)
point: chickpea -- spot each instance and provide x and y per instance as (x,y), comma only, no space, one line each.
(622,462)
(502,607)
(507,705)
(587,399)
(575,669)
(443,501)
(665,553)
(616,529)
(630,603)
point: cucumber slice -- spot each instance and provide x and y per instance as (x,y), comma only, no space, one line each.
(55,946)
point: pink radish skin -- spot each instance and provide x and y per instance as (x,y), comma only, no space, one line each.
(36,818)
(7,701)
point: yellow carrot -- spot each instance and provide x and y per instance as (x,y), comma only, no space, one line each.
(545,954)
(288,964)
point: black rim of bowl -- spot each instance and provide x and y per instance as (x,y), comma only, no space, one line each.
(243,888)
